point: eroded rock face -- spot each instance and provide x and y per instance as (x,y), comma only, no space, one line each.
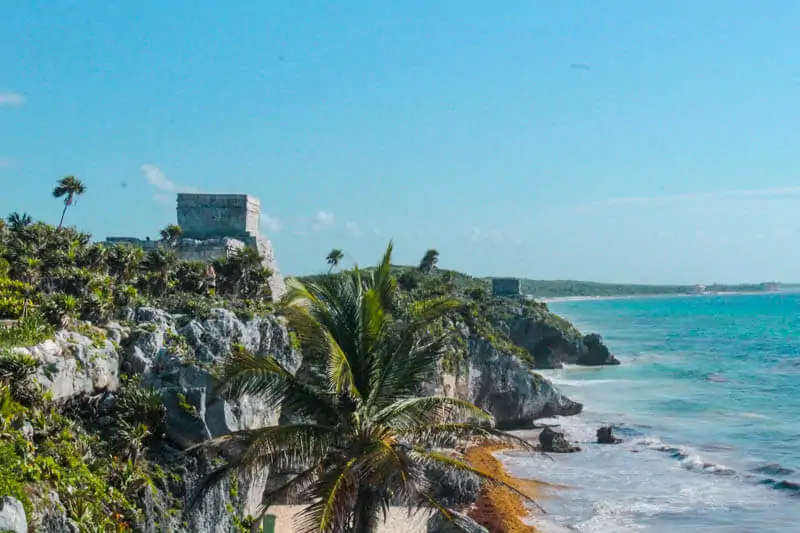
(73,364)
(503,385)
(175,355)
(12,516)
(176,358)
(552,346)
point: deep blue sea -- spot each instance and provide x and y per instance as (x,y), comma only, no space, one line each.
(707,400)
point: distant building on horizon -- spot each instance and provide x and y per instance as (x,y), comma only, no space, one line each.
(506,287)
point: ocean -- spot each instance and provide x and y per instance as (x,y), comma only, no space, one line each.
(707,400)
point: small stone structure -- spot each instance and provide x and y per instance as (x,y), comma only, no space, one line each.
(214,226)
(506,287)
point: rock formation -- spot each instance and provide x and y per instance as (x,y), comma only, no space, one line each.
(605,435)
(555,442)
(175,354)
(552,341)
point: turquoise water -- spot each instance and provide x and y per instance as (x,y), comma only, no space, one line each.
(708,402)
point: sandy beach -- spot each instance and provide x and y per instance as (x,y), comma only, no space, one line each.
(499,509)
(398,521)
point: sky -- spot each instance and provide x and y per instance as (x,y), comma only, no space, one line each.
(652,142)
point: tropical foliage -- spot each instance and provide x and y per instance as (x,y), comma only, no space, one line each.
(360,437)
(60,275)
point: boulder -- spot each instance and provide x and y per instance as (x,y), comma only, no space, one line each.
(179,363)
(555,442)
(595,352)
(73,364)
(12,516)
(605,435)
(458,523)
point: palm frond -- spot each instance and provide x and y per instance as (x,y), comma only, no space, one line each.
(445,435)
(336,494)
(412,413)
(245,373)
(441,459)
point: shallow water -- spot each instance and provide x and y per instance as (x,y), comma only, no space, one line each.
(708,403)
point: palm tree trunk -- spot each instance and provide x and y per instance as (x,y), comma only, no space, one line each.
(64,212)
(366,512)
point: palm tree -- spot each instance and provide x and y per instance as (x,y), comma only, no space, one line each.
(243,264)
(68,187)
(333,259)
(161,263)
(361,439)
(17,221)
(170,234)
(429,261)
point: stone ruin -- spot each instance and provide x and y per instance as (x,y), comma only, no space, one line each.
(214,226)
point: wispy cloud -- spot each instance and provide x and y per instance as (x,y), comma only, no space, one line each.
(156,177)
(168,189)
(6,162)
(11,99)
(644,201)
(322,220)
(354,230)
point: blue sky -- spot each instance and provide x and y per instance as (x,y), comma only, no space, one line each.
(613,141)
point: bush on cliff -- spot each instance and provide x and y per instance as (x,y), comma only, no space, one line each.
(63,275)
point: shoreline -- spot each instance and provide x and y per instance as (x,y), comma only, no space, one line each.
(557,299)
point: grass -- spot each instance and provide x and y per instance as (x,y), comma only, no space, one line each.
(25,332)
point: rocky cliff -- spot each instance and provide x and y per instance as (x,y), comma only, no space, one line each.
(85,372)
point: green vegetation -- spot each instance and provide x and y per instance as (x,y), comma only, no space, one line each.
(555,289)
(57,275)
(96,470)
(362,437)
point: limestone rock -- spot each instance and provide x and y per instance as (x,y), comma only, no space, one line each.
(555,442)
(596,352)
(503,385)
(12,516)
(177,361)
(605,435)
(459,523)
(72,364)
(52,518)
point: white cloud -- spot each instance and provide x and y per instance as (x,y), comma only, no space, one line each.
(11,99)
(271,224)
(354,230)
(156,178)
(324,219)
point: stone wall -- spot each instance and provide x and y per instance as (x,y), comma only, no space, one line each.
(205,216)
(506,287)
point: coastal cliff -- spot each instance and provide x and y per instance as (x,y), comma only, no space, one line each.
(92,377)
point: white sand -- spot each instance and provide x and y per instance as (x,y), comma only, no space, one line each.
(398,520)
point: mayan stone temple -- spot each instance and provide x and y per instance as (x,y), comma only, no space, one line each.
(215,225)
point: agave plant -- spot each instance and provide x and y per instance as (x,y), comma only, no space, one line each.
(361,437)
